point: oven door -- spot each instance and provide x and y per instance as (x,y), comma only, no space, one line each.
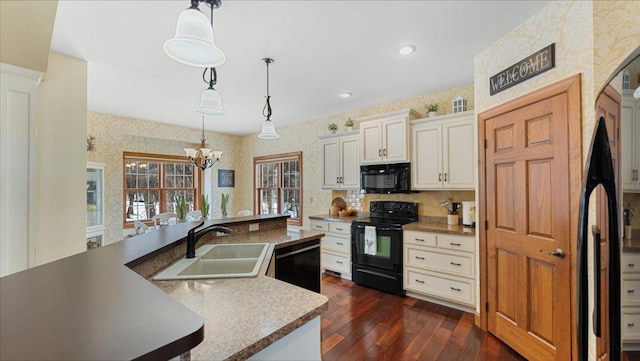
(388,248)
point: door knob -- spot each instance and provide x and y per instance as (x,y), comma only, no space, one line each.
(557,253)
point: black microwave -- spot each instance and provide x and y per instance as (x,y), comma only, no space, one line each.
(386,178)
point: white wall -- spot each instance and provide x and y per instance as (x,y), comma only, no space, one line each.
(61,159)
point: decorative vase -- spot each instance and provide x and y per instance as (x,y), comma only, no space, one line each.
(333,131)
(349,129)
(432,114)
(452,219)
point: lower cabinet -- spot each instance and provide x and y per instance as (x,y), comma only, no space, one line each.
(440,268)
(630,298)
(335,253)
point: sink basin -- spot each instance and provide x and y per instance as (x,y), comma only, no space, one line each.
(218,261)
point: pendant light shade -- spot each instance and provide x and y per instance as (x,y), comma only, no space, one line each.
(193,43)
(268,130)
(210,103)
(268,127)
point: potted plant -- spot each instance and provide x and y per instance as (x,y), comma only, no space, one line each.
(204,206)
(349,124)
(224,201)
(432,109)
(181,208)
(333,127)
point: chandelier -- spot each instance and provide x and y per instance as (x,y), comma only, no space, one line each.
(203,158)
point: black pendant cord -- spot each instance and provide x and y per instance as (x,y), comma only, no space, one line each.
(267,106)
(213,77)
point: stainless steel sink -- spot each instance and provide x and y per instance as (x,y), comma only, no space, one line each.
(218,261)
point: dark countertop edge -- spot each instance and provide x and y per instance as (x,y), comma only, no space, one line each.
(330,218)
(112,261)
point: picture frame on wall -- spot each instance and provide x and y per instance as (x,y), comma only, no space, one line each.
(226,178)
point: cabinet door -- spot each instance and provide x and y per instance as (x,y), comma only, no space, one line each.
(628,152)
(458,155)
(370,139)
(394,140)
(426,157)
(636,142)
(350,166)
(330,164)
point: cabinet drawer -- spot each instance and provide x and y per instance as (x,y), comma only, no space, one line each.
(630,291)
(457,243)
(461,265)
(338,244)
(630,263)
(336,263)
(630,323)
(454,289)
(340,227)
(420,238)
(318,225)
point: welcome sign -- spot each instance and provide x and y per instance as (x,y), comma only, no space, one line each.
(534,64)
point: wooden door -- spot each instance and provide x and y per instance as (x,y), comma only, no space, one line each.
(531,185)
(607,107)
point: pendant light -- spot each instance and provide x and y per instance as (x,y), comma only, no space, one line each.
(193,43)
(203,158)
(268,128)
(210,102)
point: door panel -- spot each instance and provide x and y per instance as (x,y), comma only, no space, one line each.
(527,205)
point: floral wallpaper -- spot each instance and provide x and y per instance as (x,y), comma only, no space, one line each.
(304,137)
(114,134)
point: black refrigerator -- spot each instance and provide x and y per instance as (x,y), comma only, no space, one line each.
(599,171)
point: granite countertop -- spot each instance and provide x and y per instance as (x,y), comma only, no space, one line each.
(631,245)
(330,218)
(244,315)
(429,226)
(97,307)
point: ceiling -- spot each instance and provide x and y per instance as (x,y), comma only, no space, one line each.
(320,48)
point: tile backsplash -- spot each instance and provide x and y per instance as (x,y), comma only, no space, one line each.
(429,200)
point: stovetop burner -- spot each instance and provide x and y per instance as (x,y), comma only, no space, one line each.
(390,213)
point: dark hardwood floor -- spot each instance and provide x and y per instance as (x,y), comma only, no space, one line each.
(365,324)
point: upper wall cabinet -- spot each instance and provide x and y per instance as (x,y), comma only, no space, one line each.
(340,166)
(630,142)
(443,152)
(385,138)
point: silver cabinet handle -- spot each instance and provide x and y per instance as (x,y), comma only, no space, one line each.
(557,253)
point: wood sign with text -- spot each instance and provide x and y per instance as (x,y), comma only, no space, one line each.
(534,64)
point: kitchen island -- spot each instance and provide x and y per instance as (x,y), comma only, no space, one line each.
(94,306)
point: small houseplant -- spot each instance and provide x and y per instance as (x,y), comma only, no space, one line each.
(349,124)
(432,109)
(181,207)
(204,206)
(333,127)
(224,201)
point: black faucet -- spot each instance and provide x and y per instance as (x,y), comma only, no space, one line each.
(193,236)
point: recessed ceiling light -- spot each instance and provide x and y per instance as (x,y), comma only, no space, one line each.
(407,49)
(346,95)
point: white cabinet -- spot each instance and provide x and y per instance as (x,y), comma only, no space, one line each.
(630,123)
(441,268)
(335,246)
(385,138)
(340,165)
(630,299)
(95,205)
(443,152)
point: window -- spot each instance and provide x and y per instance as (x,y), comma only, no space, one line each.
(278,185)
(152,182)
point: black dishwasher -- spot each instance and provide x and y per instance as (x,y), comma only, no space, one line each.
(299,264)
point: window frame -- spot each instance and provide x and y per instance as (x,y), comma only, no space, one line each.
(280,159)
(163,159)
